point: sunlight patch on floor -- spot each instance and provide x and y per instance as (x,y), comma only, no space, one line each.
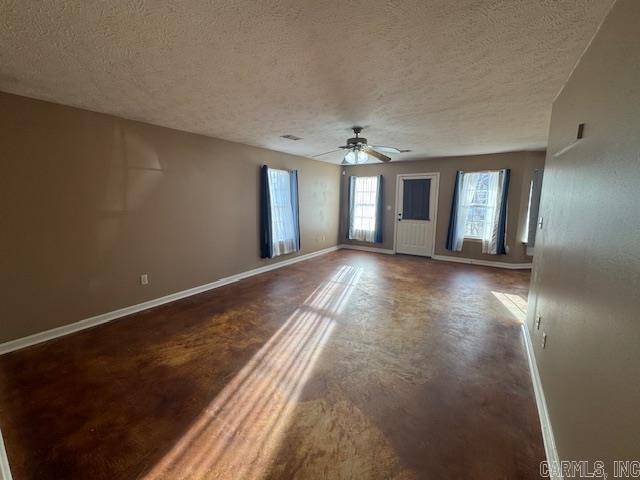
(240,431)
(516,305)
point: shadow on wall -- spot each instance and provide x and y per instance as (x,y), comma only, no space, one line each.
(134,172)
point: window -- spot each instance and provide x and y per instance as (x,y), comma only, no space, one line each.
(279,222)
(365,195)
(534,207)
(478,200)
(525,233)
(479,210)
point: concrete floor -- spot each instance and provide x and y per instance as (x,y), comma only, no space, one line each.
(348,366)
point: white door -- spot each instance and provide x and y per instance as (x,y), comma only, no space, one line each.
(416,207)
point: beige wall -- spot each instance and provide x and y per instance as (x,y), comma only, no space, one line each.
(91,201)
(522,165)
(586,276)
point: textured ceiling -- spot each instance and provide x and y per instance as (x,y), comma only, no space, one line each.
(439,77)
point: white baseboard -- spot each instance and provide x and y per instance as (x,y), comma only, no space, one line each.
(446,258)
(109,316)
(5,471)
(485,263)
(545,422)
(547,432)
(367,249)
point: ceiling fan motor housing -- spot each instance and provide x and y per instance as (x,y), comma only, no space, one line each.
(356,141)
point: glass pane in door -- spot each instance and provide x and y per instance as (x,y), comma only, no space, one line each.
(415,199)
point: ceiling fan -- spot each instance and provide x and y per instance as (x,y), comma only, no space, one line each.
(358,151)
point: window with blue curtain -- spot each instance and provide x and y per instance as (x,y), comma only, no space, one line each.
(479,210)
(279,215)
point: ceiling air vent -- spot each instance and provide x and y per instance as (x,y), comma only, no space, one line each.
(291,137)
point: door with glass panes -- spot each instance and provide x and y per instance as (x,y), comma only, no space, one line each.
(416,199)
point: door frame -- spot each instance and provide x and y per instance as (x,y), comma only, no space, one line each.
(401,176)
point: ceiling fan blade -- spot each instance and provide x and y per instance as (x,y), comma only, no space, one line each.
(378,155)
(382,148)
(326,153)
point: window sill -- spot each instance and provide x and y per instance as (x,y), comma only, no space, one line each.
(472,239)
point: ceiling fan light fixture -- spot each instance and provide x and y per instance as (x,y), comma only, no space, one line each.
(357,151)
(350,157)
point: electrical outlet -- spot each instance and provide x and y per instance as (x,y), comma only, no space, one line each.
(144,279)
(544,340)
(538,321)
(540,221)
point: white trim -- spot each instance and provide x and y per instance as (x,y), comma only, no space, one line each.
(367,249)
(5,471)
(47,335)
(436,177)
(545,421)
(486,263)
(547,432)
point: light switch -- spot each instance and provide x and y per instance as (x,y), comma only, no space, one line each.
(144,279)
